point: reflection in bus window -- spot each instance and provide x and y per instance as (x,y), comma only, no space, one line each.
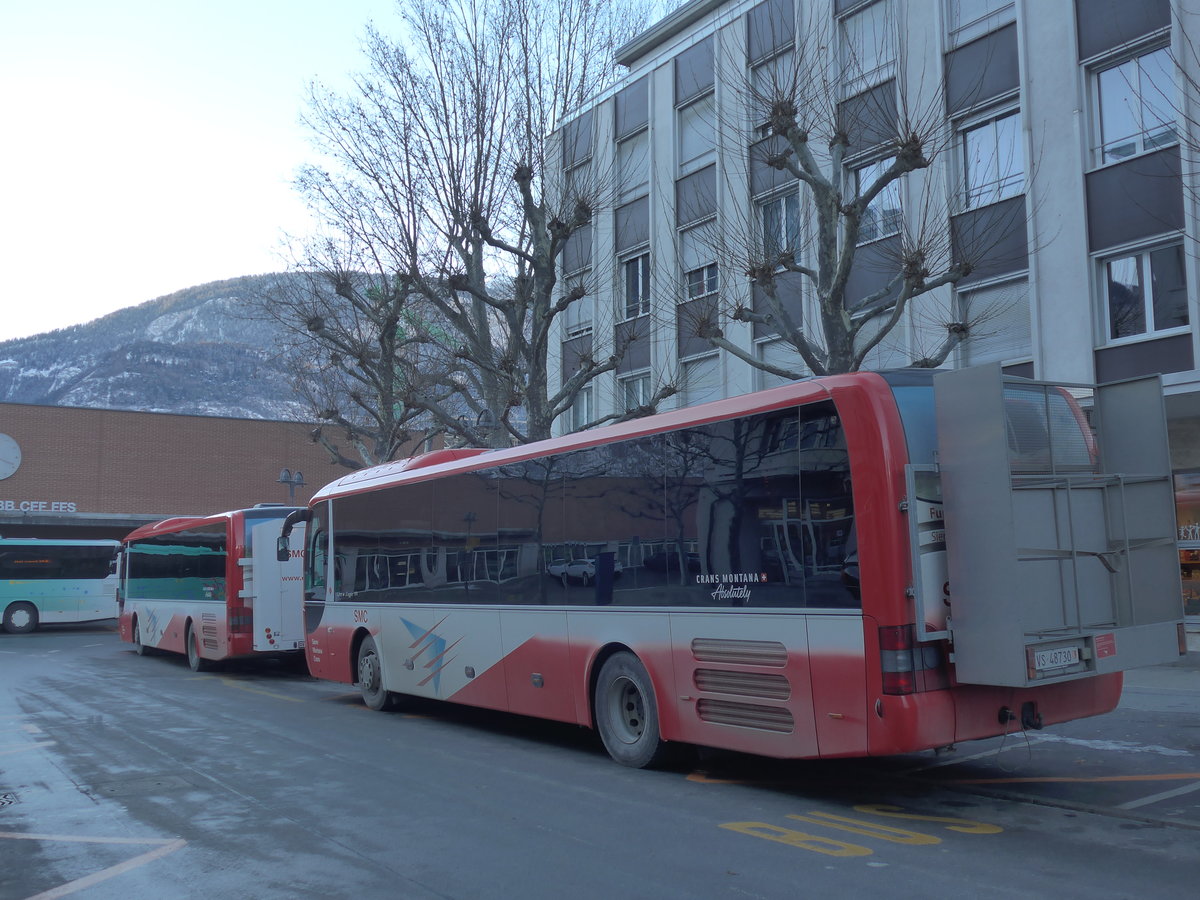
(755,511)
(183,565)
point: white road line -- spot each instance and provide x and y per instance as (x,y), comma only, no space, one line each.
(1165,795)
(87,881)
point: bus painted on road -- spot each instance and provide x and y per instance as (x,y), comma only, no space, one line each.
(852,565)
(211,588)
(53,581)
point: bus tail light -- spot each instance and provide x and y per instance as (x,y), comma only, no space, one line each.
(909,667)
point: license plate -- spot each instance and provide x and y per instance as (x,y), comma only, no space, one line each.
(1057,658)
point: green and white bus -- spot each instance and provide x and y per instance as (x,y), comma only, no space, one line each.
(49,581)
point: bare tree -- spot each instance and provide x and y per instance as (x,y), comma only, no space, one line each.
(437,171)
(360,349)
(851,158)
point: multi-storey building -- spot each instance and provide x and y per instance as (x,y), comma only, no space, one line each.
(1062,134)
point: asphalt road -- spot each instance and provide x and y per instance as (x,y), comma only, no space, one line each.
(127,777)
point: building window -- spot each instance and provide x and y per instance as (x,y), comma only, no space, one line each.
(581,409)
(701,380)
(1146,292)
(971,19)
(635,391)
(868,47)
(992,159)
(770,82)
(696,254)
(783,355)
(883,216)
(781,225)
(700,282)
(697,130)
(998,321)
(1137,106)
(637,286)
(633,162)
(577,317)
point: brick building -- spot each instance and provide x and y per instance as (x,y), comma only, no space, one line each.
(100,473)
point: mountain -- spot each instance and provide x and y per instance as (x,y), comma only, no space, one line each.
(196,351)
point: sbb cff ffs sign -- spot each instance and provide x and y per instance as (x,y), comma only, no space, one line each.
(37,506)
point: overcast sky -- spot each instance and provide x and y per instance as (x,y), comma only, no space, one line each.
(149,145)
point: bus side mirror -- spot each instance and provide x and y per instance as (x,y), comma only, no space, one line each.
(282,551)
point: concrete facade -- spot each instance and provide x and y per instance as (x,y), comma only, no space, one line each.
(1102,208)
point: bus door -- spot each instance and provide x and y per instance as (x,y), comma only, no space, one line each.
(274,589)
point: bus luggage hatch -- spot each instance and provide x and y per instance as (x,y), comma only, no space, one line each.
(1060,542)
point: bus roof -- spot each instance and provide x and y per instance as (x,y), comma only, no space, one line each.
(806,391)
(183,523)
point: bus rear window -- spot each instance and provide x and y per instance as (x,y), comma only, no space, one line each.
(1046,426)
(1048,432)
(915,403)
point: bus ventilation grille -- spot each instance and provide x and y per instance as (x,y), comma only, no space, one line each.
(742,684)
(746,715)
(742,653)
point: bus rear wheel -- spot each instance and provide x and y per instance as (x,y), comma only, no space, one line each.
(20,618)
(196,662)
(627,713)
(138,647)
(370,676)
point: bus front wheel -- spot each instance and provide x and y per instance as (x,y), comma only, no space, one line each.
(370,676)
(20,618)
(627,713)
(196,662)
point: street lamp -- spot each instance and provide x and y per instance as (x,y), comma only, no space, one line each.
(293,480)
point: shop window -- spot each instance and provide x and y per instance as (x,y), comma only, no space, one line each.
(1187,515)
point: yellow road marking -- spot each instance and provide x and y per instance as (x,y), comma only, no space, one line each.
(233,683)
(342,696)
(868,829)
(952,823)
(705,778)
(21,748)
(793,838)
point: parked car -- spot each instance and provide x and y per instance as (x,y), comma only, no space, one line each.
(580,570)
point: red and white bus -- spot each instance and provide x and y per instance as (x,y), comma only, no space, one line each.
(854,565)
(211,588)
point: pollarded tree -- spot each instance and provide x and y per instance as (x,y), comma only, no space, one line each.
(360,350)
(835,109)
(437,164)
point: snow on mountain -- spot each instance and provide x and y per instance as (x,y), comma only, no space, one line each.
(196,352)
